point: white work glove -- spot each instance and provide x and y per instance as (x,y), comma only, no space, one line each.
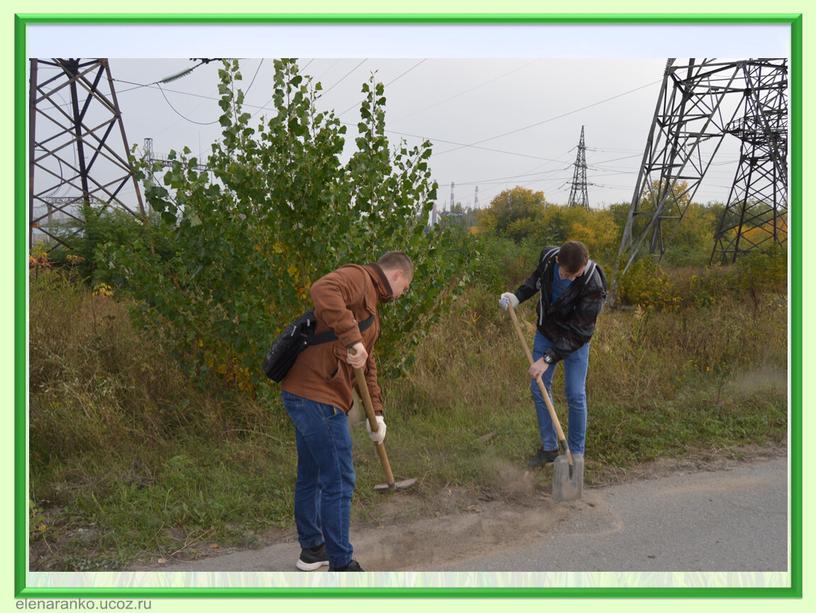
(357,355)
(508,298)
(379,435)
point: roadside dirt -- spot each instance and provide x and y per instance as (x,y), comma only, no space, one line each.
(456,523)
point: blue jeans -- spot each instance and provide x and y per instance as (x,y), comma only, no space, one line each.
(325,476)
(575,372)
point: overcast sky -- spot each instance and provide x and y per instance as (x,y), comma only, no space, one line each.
(493,123)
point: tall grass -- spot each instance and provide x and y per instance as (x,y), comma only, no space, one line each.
(98,383)
(637,358)
(126,449)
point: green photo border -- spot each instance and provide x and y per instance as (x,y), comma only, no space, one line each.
(21,311)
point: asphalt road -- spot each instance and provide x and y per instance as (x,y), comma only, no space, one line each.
(730,519)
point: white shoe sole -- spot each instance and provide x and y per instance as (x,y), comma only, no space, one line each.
(306,566)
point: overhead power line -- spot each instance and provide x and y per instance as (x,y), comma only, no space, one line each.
(345,76)
(397,78)
(252,82)
(548,120)
(176,111)
(458,144)
(467,91)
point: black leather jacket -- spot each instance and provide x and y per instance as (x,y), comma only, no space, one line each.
(569,322)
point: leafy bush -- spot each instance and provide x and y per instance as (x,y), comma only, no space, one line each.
(763,271)
(97,227)
(690,240)
(753,274)
(512,213)
(230,257)
(647,284)
(499,264)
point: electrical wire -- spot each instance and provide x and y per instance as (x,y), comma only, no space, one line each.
(344,111)
(451,142)
(497,179)
(549,119)
(252,82)
(467,91)
(343,78)
(528,182)
(199,123)
(458,145)
(404,73)
(328,70)
(173,77)
(260,108)
(265,104)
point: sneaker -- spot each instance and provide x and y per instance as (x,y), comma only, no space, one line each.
(312,559)
(351,567)
(542,457)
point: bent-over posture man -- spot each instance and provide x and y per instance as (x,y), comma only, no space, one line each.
(317,394)
(572,290)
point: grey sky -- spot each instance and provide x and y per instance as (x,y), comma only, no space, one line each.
(516,94)
(460,101)
(533,107)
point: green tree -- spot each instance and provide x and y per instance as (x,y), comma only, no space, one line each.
(553,225)
(689,241)
(512,213)
(236,249)
(674,203)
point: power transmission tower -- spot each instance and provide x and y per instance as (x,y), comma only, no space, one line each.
(77,148)
(150,156)
(696,107)
(578,192)
(476,197)
(756,213)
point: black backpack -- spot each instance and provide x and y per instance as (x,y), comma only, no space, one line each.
(295,338)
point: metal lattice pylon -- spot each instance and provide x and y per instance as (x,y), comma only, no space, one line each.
(578,191)
(699,103)
(690,115)
(78,151)
(756,213)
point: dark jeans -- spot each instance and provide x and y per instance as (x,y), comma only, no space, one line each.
(575,373)
(325,476)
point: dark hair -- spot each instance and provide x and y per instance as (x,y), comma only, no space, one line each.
(396,260)
(572,256)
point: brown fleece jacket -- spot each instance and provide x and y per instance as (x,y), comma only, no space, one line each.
(342,299)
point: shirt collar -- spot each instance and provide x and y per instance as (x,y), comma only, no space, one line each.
(381,284)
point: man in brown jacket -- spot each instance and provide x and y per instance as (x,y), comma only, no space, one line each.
(317,394)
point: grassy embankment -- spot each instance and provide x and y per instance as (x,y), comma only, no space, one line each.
(131,461)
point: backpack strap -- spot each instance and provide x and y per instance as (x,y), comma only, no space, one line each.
(591,266)
(593,269)
(329,336)
(553,251)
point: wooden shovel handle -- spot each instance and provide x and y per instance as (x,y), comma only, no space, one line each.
(362,388)
(541,386)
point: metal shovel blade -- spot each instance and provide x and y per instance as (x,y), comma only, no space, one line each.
(397,485)
(568,481)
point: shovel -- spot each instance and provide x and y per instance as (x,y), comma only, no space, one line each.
(568,474)
(390,484)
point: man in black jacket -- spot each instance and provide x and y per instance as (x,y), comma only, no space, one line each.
(572,290)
